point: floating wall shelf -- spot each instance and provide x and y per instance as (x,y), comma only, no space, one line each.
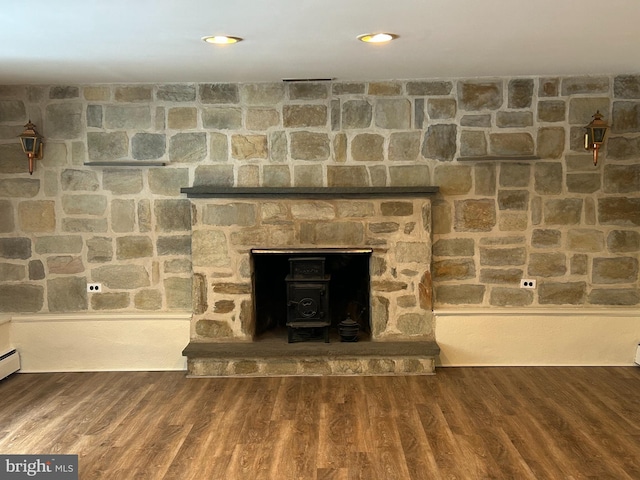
(498,157)
(132,163)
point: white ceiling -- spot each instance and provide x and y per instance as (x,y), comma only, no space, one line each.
(109,41)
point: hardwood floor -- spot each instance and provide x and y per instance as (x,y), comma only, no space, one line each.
(463,423)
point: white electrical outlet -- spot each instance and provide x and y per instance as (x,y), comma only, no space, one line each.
(94,287)
(527,283)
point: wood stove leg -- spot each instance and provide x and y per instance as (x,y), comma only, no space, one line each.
(326,334)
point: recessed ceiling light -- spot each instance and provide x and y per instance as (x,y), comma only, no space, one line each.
(221,39)
(377,37)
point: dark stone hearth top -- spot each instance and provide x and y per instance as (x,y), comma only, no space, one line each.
(282,349)
(212,191)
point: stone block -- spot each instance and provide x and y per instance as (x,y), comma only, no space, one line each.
(413,252)
(367,147)
(404,146)
(626,117)
(566,211)
(135,246)
(79,180)
(418,113)
(549,87)
(79,204)
(429,88)
(12,111)
(190,147)
(244,147)
(13,159)
(333,233)
(585,240)
(178,293)
(514,119)
(218,147)
(308,90)
(278,146)
(476,121)
(242,214)
(472,143)
(7,223)
(546,238)
(441,108)
(355,209)
(458,269)
(209,249)
(104,146)
(385,88)
(520,93)
(182,118)
(178,92)
(148,299)
(58,244)
(172,215)
(615,270)
(262,118)
(515,175)
(220,175)
(396,208)
(310,146)
(519,143)
(581,110)
(623,148)
(307,175)
(220,93)
(621,178)
(174,245)
(21,298)
(562,293)
(583,182)
(167,181)
(148,146)
(125,277)
(414,324)
(95,93)
(65,264)
(99,250)
(513,200)
(262,93)
(493,256)
(384,227)
(510,297)
(94,116)
(465,294)
(36,270)
(501,275)
(221,118)
(454,247)
(37,216)
(110,301)
(11,272)
(584,85)
(552,110)
(485,179)
(440,142)
(356,114)
(63,121)
(547,264)
(623,241)
(548,178)
(122,181)
(213,329)
(276,176)
(483,95)
(409,175)
(302,116)
(475,215)
(393,113)
(626,86)
(134,93)
(144,215)
(127,117)
(618,296)
(348,88)
(84,225)
(67,294)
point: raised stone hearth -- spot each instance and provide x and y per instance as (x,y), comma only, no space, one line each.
(276,358)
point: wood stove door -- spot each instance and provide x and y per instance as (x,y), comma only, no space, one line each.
(307,302)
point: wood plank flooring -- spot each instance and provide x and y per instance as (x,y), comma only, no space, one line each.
(462,423)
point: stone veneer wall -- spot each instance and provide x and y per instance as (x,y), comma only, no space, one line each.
(558,219)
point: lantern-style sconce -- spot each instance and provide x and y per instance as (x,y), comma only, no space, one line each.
(594,136)
(31,144)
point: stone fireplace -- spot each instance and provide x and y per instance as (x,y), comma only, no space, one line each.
(234,230)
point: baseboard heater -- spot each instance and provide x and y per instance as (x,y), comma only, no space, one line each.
(9,363)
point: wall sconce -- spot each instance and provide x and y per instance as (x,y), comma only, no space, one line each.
(594,137)
(31,144)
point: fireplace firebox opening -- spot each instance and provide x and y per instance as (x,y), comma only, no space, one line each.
(348,291)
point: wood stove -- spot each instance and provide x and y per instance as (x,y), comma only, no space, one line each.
(307,297)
